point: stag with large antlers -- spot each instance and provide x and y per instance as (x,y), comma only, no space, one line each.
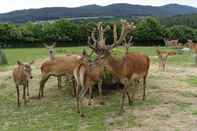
(132,67)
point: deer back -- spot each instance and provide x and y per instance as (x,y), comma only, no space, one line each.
(60,65)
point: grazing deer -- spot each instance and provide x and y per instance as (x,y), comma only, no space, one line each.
(171,43)
(51,53)
(21,75)
(133,67)
(163,56)
(58,67)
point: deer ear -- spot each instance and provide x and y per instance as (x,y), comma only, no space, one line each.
(54,44)
(31,62)
(46,46)
(19,62)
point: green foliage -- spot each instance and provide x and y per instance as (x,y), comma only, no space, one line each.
(186,20)
(149,30)
(180,32)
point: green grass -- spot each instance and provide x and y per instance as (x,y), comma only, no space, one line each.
(28,54)
(192,81)
(57,111)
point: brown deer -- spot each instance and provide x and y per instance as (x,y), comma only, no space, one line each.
(58,67)
(163,56)
(21,75)
(51,53)
(87,75)
(171,43)
(193,47)
(132,67)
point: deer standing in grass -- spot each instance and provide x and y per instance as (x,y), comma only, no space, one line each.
(163,56)
(21,75)
(171,43)
(193,47)
(59,66)
(51,53)
(131,68)
(88,73)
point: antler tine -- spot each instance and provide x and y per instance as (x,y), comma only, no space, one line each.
(130,40)
(115,33)
(126,28)
(54,44)
(93,35)
(92,46)
(46,45)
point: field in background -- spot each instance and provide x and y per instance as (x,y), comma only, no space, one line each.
(171,99)
(28,54)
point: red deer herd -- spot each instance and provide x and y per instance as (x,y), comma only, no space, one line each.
(131,69)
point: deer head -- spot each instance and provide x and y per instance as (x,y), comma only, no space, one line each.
(26,68)
(51,50)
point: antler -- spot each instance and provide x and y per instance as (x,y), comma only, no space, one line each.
(126,28)
(98,43)
(129,43)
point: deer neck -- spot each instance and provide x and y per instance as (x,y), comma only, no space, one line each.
(114,64)
(51,56)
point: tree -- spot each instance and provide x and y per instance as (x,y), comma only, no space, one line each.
(149,29)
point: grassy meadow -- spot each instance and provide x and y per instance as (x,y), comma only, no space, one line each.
(171,98)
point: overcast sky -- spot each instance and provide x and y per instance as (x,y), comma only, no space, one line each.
(10,5)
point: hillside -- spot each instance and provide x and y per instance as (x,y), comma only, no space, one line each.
(187,20)
(117,10)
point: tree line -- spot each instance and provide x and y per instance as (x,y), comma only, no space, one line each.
(69,33)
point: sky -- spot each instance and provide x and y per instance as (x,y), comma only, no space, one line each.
(10,5)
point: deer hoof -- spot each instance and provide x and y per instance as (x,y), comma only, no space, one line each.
(121,112)
(102,102)
(82,115)
(89,103)
(131,103)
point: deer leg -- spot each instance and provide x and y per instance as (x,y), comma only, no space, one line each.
(123,96)
(81,95)
(77,98)
(59,80)
(18,95)
(42,84)
(134,90)
(74,84)
(24,94)
(144,89)
(27,88)
(90,95)
(100,92)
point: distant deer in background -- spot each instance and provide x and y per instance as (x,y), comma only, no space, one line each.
(193,47)
(51,53)
(171,43)
(163,56)
(21,75)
